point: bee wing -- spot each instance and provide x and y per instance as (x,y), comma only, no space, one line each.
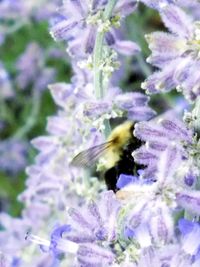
(89,156)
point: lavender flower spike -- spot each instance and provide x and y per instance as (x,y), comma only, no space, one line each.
(167,132)
(175,54)
(80,28)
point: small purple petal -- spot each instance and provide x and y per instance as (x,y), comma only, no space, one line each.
(57,126)
(161,81)
(90,40)
(110,202)
(164,43)
(177,128)
(144,157)
(125,7)
(148,132)
(129,233)
(161,226)
(160,60)
(61,92)
(96,109)
(190,178)
(136,218)
(78,7)
(185,226)
(130,100)
(57,234)
(150,171)
(157,145)
(125,180)
(95,3)
(110,38)
(62,30)
(127,48)
(81,237)
(177,20)
(189,200)
(140,113)
(78,218)
(44,143)
(190,238)
(168,163)
(94,211)
(151,3)
(94,255)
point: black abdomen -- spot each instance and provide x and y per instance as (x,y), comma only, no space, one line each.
(125,165)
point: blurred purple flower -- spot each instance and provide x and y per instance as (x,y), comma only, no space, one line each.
(31,69)
(13,156)
(6,89)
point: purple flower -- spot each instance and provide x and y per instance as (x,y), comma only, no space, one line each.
(192,6)
(190,178)
(89,235)
(171,255)
(80,27)
(136,105)
(12,233)
(166,132)
(125,180)
(190,232)
(30,69)
(97,223)
(149,220)
(175,54)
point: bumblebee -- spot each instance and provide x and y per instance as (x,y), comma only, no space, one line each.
(116,153)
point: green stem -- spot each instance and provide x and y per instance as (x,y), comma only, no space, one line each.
(196,117)
(109,8)
(32,117)
(8,30)
(143,65)
(98,52)
(98,49)
(196,127)
(97,58)
(5,113)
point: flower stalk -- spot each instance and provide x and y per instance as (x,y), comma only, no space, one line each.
(100,91)
(30,123)
(98,53)
(196,117)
